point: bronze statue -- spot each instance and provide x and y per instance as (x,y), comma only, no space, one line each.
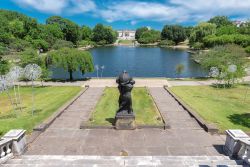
(125,86)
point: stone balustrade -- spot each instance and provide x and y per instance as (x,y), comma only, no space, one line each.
(12,143)
(244,152)
(238,145)
(5,149)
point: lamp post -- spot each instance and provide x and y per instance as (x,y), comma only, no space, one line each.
(97,68)
(102,67)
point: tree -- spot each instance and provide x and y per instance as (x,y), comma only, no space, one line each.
(150,36)
(223,58)
(86,33)
(4,66)
(220,21)
(179,69)
(71,60)
(70,29)
(62,44)
(104,34)
(175,33)
(200,31)
(29,56)
(139,32)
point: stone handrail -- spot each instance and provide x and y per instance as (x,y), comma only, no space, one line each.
(5,149)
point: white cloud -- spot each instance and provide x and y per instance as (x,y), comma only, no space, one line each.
(58,6)
(174,11)
(80,6)
(134,11)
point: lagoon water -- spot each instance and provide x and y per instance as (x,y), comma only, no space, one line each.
(139,62)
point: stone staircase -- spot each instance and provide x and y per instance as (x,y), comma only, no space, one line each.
(119,161)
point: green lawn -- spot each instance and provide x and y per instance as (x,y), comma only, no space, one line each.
(224,107)
(126,42)
(47,101)
(143,105)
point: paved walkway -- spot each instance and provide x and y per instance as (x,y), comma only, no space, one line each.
(139,82)
(185,137)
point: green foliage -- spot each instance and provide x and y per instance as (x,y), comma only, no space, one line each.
(3,49)
(247,49)
(239,39)
(104,34)
(149,36)
(166,43)
(70,29)
(226,30)
(71,60)
(62,44)
(30,56)
(85,43)
(4,66)
(18,45)
(200,31)
(222,57)
(175,33)
(245,28)
(86,33)
(179,69)
(40,44)
(197,46)
(16,27)
(50,33)
(139,32)
(220,21)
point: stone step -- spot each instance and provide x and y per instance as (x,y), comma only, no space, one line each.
(103,161)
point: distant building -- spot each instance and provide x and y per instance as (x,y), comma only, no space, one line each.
(126,34)
(238,23)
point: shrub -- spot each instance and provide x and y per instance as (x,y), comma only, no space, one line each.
(167,43)
(198,46)
(247,49)
(62,44)
(40,44)
(85,43)
(18,45)
(212,40)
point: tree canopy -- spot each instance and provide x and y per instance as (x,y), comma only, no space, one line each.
(104,34)
(71,60)
(174,33)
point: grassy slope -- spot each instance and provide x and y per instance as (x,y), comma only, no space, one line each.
(47,100)
(224,107)
(143,105)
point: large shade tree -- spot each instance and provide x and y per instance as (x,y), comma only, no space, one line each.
(71,60)
(104,34)
(174,33)
(70,29)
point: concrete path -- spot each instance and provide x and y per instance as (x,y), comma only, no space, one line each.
(185,137)
(140,82)
(106,82)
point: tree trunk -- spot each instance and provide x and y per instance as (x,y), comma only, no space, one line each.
(71,75)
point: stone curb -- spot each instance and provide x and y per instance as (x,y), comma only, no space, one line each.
(45,124)
(166,126)
(209,127)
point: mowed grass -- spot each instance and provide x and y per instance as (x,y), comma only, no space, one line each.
(126,42)
(47,101)
(144,108)
(227,108)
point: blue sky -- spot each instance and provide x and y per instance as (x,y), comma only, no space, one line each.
(131,14)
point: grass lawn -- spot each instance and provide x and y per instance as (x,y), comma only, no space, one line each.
(145,110)
(224,107)
(127,42)
(47,101)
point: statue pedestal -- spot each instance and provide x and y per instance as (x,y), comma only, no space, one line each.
(125,121)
